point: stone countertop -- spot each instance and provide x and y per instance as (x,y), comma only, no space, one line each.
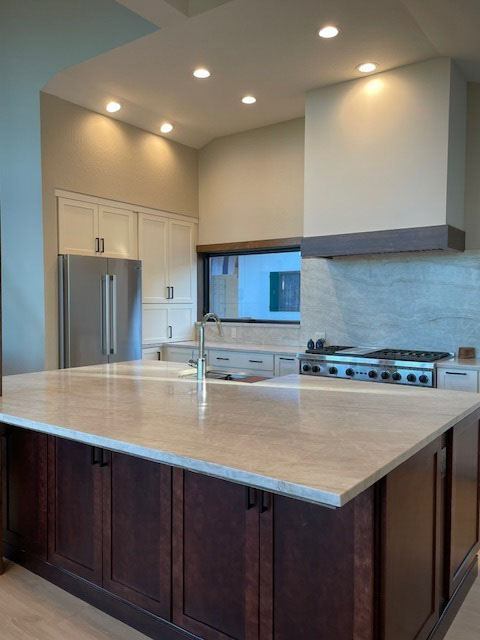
(460,363)
(241,346)
(316,439)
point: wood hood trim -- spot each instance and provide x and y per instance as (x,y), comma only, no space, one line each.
(250,245)
(440,237)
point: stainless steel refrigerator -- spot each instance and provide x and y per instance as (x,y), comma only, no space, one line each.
(100,310)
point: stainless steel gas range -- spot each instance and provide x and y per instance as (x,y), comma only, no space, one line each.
(391,366)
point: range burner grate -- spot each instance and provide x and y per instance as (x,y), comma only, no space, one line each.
(327,351)
(407,355)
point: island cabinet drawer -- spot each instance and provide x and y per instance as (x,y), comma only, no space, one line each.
(286,365)
(457,379)
(241,360)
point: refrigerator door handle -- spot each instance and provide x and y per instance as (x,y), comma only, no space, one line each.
(113,316)
(105,321)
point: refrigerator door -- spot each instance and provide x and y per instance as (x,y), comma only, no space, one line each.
(125,306)
(82,310)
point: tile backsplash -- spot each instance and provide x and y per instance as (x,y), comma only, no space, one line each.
(424,300)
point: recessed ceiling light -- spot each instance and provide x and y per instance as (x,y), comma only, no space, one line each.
(113,106)
(248,100)
(201,73)
(328,32)
(367,67)
(166,127)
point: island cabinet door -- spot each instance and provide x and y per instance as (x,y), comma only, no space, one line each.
(75,508)
(464,499)
(412,546)
(137,531)
(215,557)
(316,569)
(25,489)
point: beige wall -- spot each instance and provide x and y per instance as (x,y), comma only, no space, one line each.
(378,152)
(472,188)
(89,153)
(251,185)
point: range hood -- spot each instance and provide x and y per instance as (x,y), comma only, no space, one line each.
(439,237)
(385,163)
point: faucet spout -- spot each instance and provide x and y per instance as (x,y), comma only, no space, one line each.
(202,360)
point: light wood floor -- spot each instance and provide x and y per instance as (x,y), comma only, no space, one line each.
(33,609)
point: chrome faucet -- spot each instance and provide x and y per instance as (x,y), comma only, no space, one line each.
(201,362)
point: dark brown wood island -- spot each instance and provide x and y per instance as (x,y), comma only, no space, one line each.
(122,514)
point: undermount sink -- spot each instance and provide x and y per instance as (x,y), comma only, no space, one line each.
(215,374)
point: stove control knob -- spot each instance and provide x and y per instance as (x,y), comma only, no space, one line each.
(423,379)
(316,368)
(333,371)
(350,372)
(385,375)
(397,376)
(372,374)
(412,377)
(306,367)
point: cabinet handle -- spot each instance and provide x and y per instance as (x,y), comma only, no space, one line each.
(455,373)
(168,293)
(103,245)
(264,502)
(97,245)
(105,458)
(173,292)
(251,497)
(170,331)
(257,361)
(218,358)
(95,460)
(289,359)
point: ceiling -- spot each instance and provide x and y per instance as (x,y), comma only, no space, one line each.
(268,48)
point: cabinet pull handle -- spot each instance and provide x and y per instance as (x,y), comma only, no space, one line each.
(170,331)
(95,460)
(257,361)
(250,497)
(173,292)
(455,373)
(264,502)
(218,358)
(289,359)
(97,245)
(105,458)
(103,245)
(168,293)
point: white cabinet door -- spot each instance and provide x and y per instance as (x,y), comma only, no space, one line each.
(180,260)
(285,365)
(152,251)
(151,354)
(77,227)
(457,379)
(118,232)
(180,322)
(179,354)
(155,323)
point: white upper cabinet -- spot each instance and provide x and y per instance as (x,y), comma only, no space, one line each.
(153,252)
(180,261)
(117,229)
(166,248)
(77,227)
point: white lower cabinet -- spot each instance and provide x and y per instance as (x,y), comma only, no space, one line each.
(285,365)
(151,354)
(167,322)
(457,379)
(179,354)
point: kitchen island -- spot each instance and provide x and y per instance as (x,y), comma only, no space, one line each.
(290,508)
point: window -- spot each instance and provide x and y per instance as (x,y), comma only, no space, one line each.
(254,287)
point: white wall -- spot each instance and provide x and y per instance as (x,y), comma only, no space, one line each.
(378,151)
(251,185)
(38,39)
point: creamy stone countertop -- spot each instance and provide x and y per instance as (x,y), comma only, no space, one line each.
(241,346)
(314,439)
(460,363)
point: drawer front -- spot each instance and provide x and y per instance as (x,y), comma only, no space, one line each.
(241,360)
(457,380)
(285,365)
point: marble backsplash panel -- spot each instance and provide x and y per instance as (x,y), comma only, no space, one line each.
(427,300)
(422,300)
